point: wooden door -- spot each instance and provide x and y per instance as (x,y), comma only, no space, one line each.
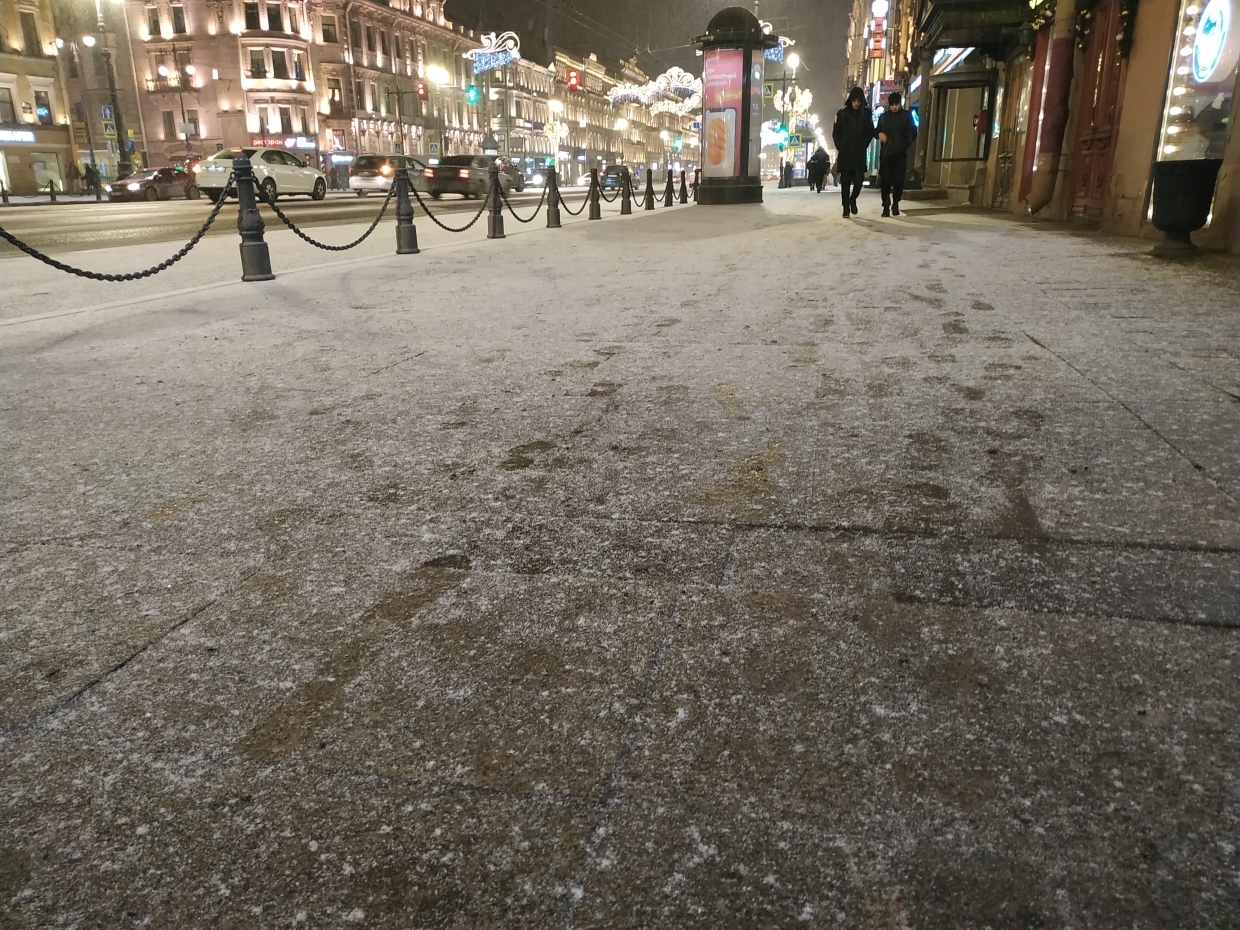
(1102,83)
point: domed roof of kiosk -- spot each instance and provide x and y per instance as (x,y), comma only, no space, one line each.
(734,25)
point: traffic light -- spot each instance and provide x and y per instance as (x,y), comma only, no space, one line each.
(472,94)
(676,143)
(573,79)
(421,88)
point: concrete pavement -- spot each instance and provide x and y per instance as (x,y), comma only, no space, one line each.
(710,567)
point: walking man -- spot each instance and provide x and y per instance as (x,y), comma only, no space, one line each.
(818,164)
(896,132)
(852,134)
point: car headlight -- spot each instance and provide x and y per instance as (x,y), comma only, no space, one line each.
(108,188)
(134,187)
(537,180)
(386,171)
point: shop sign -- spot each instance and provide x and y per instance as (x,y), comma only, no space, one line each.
(16,135)
(1216,46)
(80,138)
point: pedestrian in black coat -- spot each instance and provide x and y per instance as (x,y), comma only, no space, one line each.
(897,133)
(852,134)
(818,165)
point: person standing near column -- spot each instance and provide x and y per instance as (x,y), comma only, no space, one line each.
(852,134)
(897,133)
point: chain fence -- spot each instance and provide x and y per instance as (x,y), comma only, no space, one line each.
(571,212)
(262,196)
(132,275)
(537,210)
(434,219)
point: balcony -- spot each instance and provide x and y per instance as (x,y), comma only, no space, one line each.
(162,84)
(256,74)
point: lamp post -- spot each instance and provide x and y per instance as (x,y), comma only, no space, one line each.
(181,74)
(124,164)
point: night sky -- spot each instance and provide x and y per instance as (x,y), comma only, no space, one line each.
(659,31)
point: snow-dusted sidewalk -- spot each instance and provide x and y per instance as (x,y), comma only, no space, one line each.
(708,567)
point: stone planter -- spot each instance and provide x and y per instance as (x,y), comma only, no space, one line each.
(1183,192)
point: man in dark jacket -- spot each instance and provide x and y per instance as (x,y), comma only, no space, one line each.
(818,165)
(897,133)
(852,134)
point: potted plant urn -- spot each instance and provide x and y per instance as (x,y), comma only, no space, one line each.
(1183,192)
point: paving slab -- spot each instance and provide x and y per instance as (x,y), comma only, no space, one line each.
(674,570)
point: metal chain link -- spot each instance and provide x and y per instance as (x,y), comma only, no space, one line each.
(612,198)
(133,275)
(261,194)
(537,210)
(477,216)
(570,210)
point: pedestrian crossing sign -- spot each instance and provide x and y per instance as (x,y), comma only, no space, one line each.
(768,90)
(794,139)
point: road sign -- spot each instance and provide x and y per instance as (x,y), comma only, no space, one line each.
(433,148)
(794,139)
(80,138)
(768,90)
(106,111)
(109,129)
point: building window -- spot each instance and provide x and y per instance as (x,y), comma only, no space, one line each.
(355,34)
(8,113)
(299,67)
(329,30)
(178,20)
(286,120)
(1199,109)
(258,63)
(383,43)
(359,95)
(396,49)
(374,97)
(335,96)
(294,21)
(170,126)
(279,64)
(43,107)
(370,39)
(30,35)
(251,16)
(191,117)
(304,115)
(275,18)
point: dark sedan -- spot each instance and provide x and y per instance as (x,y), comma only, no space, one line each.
(613,177)
(153,184)
(469,176)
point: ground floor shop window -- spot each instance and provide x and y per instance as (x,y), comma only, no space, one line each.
(46,166)
(1202,80)
(962,122)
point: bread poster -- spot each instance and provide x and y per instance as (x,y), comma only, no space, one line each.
(723,82)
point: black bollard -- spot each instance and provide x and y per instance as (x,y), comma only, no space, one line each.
(495,220)
(697,180)
(649,191)
(255,257)
(669,192)
(98,192)
(553,201)
(406,232)
(626,193)
(684,188)
(4,194)
(51,190)
(596,208)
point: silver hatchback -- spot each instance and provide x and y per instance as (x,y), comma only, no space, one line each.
(377,172)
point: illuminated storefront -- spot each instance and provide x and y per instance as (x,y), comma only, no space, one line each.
(1202,81)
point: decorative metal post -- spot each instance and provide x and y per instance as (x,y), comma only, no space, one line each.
(596,208)
(495,219)
(684,188)
(669,192)
(697,179)
(51,190)
(406,232)
(626,193)
(649,205)
(255,257)
(553,200)
(4,194)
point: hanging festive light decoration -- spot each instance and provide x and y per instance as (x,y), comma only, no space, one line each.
(775,53)
(496,52)
(673,83)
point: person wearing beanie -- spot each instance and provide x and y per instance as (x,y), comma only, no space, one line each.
(852,133)
(897,133)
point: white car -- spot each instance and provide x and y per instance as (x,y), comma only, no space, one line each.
(276,171)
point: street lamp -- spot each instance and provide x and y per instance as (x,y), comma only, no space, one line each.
(124,164)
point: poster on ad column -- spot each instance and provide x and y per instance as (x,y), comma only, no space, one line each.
(757,66)
(723,80)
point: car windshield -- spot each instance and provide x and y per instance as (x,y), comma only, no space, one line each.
(370,161)
(230,154)
(145,175)
(615,169)
(457,161)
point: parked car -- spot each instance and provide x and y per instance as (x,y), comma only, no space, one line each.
(376,173)
(515,175)
(613,177)
(276,171)
(153,184)
(469,176)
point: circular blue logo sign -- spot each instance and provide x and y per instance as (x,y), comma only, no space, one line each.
(1210,42)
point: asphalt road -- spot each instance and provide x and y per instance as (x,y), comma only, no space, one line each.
(69,227)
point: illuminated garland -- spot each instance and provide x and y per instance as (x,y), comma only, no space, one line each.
(496,52)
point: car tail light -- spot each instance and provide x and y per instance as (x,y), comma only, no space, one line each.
(463,174)
(428,172)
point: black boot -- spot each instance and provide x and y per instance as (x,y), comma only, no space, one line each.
(895,208)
